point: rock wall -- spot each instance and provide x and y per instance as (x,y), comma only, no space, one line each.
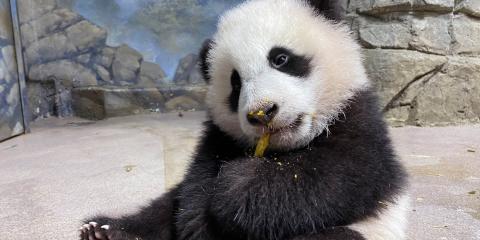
(11,121)
(423,56)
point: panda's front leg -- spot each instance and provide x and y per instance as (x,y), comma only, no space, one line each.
(194,198)
(153,222)
(334,233)
(111,231)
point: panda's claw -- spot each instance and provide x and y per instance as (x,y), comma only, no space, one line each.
(93,231)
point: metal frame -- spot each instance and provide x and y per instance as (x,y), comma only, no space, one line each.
(20,65)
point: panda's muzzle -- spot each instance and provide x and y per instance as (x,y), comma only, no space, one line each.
(263,115)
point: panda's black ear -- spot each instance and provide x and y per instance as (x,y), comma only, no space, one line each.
(204,66)
(327,8)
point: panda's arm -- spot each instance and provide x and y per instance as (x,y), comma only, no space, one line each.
(336,233)
(154,221)
(194,198)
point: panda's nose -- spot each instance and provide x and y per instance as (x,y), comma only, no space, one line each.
(263,115)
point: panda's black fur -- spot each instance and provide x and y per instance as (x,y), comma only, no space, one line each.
(343,176)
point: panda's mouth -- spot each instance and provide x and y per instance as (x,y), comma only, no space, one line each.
(293,126)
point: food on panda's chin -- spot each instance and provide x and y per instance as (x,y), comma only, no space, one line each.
(262,145)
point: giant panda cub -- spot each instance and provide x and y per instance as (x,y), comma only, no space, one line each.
(329,171)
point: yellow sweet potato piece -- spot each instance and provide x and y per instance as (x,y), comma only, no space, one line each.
(262,145)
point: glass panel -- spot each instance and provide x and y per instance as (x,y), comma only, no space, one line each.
(11,118)
(98,59)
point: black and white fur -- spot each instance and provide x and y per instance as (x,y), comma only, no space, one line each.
(330,171)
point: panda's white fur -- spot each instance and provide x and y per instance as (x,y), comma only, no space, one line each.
(245,36)
(391,223)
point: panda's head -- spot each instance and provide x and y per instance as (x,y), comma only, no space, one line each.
(281,59)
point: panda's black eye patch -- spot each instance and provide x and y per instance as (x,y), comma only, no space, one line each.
(236,82)
(284,60)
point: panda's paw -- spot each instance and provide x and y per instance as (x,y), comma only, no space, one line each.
(96,231)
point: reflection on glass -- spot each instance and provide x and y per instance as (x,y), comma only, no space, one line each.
(74,48)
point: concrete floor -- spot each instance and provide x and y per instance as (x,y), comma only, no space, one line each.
(67,169)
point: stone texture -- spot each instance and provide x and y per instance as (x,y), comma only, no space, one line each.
(89,103)
(84,58)
(188,71)
(122,102)
(379,34)
(41,99)
(126,64)
(103,102)
(105,58)
(85,35)
(63,70)
(450,96)
(151,74)
(104,74)
(48,23)
(466,32)
(471,7)
(429,80)
(31,9)
(381,6)
(393,70)
(52,47)
(430,34)
(8,54)
(5,26)
(434,5)
(182,103)
(3,71)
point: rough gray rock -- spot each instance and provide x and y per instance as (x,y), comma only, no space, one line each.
(85,35)
(151,74)
(471,7)
(381,6)
(89,103)
(13,95)
(182,103)
(41,100)
(126,64)
(3,71)
(431,34)
(104,74)
(48,23)
(121,102)
(450,96)
(188,71)
(52,47)
(5,26)
(102,102)
(84,58)
(466,32)
(63,70)
(8,53)
(31,9)
(105,57)
(434,5)
(379,34)
(393,70)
